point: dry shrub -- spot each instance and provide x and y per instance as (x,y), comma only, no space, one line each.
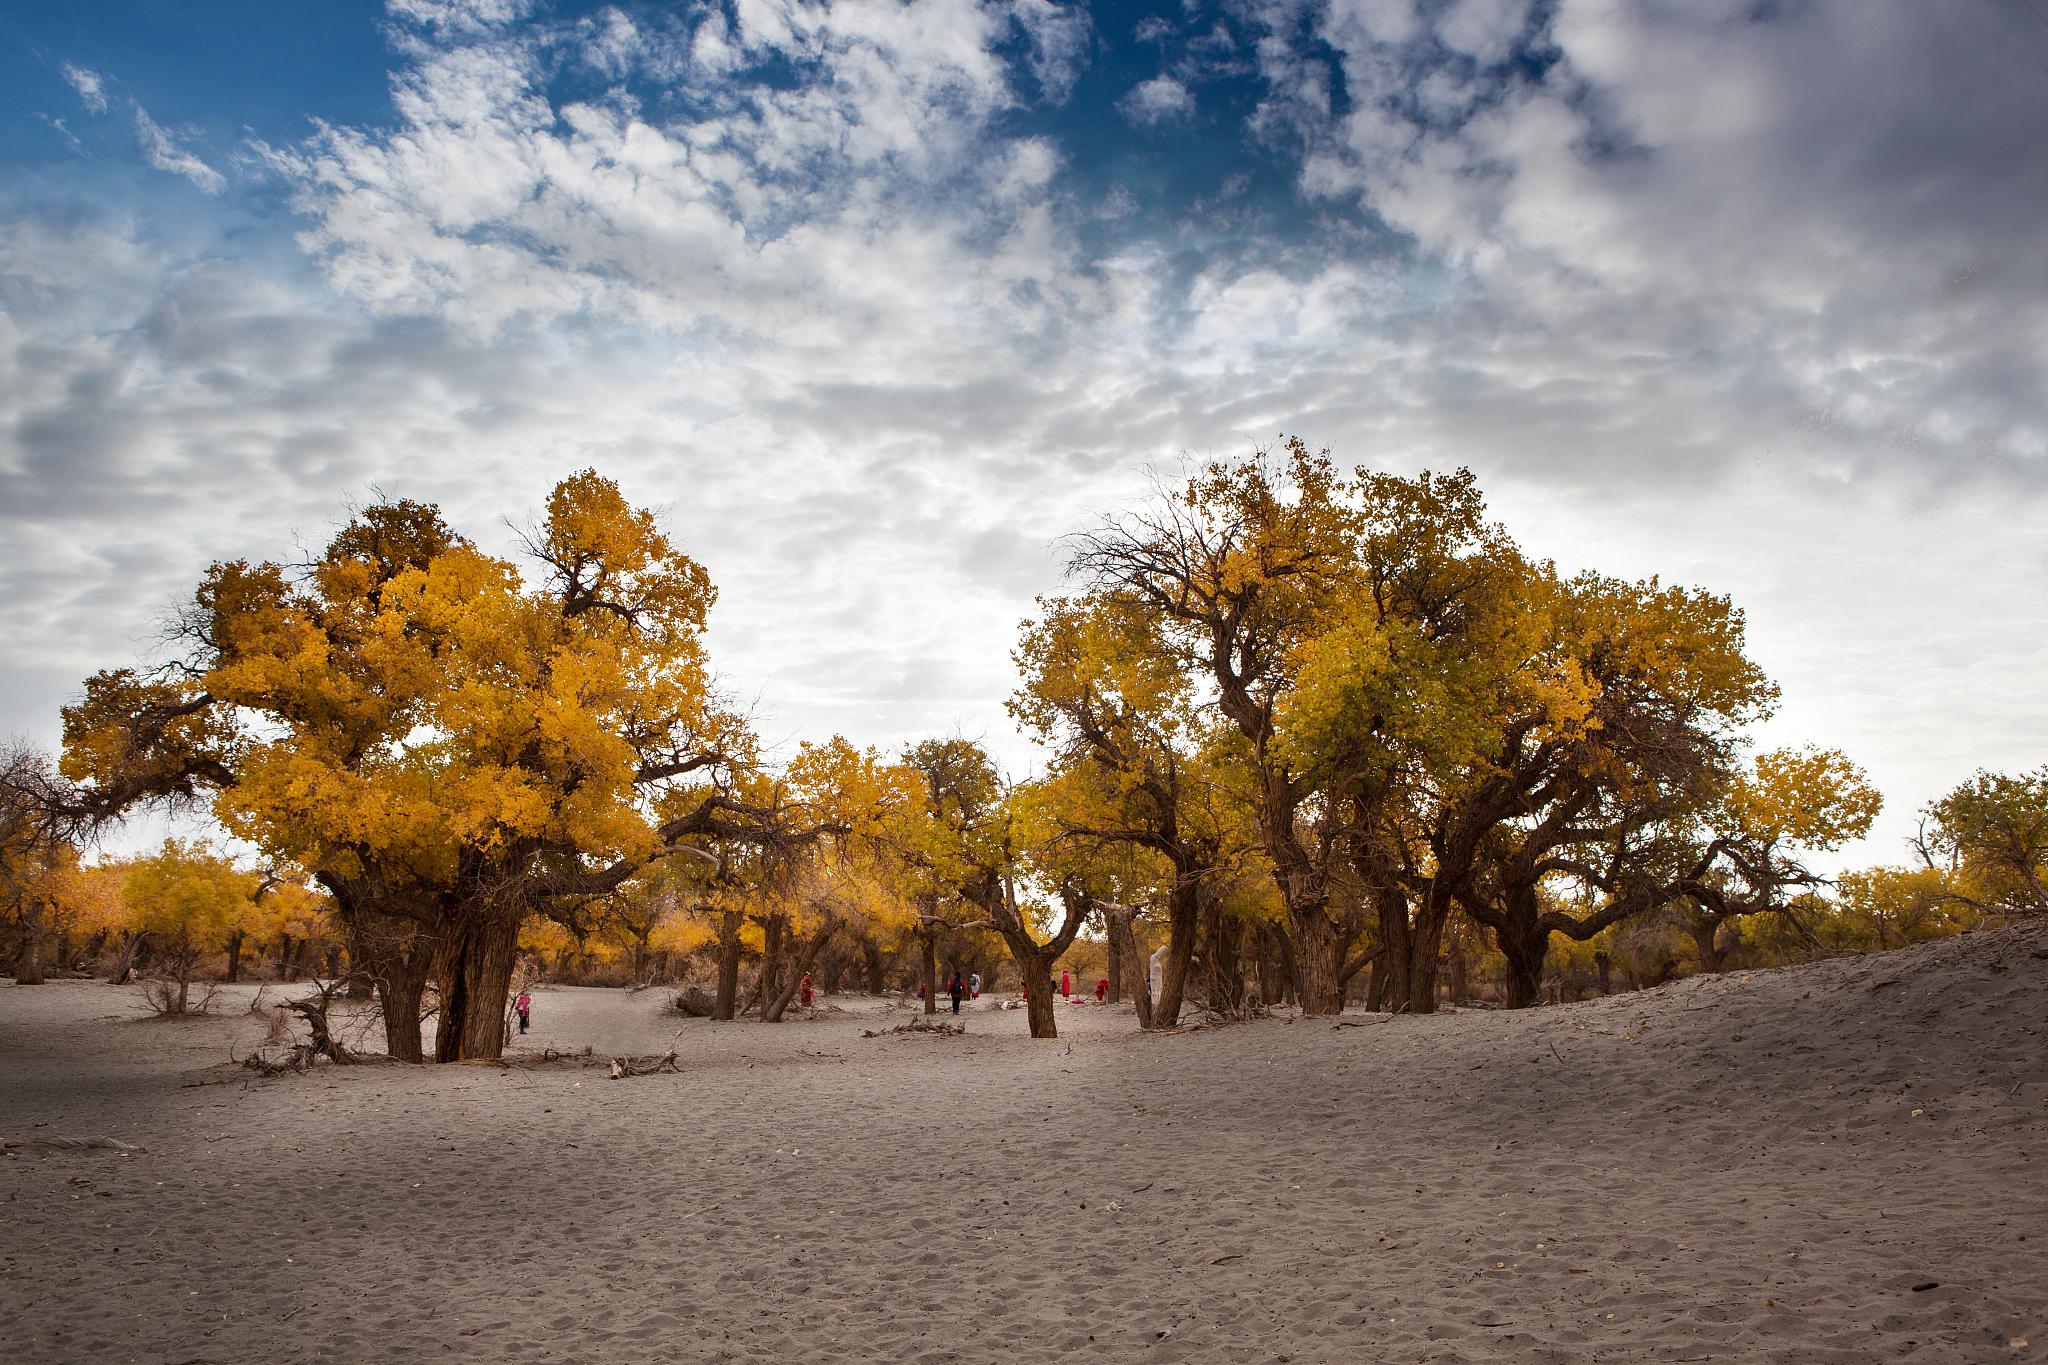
(163,997)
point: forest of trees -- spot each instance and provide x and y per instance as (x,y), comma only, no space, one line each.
(1323,737)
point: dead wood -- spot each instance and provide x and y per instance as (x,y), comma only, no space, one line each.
(623,1067)
(70,1144)
(917,1026)
(693,1003)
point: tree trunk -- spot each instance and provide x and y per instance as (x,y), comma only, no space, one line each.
(1603,967)
(131,948)
(727,1002)
(1290,967)
(1389,988)
(874,966)
(774,1005)
(1184,908)
(1425,950)
(1126,964)
(1269,975)
(928,967)
(235,956)
(1115,971)
(1321,951)
(474,970)
(401,981)
(1225,962)
(28,966)
(1706,938)
(1524,946)
(774,939)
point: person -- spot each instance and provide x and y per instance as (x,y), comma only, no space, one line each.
(524,1004)
(1066,985)
(1102,990)
(956,990)
(803,990)
(974,985)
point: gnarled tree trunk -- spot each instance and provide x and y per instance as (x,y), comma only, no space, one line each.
(1320,946)
(474,972)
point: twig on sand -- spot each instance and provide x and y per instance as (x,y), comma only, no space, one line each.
(71,1144)
(623,1067)
(917,1026)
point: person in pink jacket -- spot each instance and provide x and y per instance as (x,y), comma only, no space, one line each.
(524,1004)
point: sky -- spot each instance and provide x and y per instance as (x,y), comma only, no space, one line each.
(877,302)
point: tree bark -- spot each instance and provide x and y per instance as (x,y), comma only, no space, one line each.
(727,1002)
(1036,970)
(474,971)
(774,939)
(1126,964)
(1525,946)
(874,966)
(1183,922)
(235,956)
(1320,947)
(1225,961)
(1706,938)
(928,967)
(28,965)
(1388,990)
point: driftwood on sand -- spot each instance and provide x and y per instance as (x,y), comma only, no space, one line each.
(56,1143)
(623,1067)
(917,1026)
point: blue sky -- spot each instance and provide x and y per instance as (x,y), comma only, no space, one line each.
(878,301)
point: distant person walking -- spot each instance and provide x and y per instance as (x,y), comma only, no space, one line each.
(1066,985)
(956,990)
(803,990)
(974,985)
(524,1004)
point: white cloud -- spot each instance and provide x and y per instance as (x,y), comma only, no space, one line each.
(1753,305)
(1484,30)
(1162,99)
(162,151)
(90,85)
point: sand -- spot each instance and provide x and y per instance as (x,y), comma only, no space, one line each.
(1837,1162)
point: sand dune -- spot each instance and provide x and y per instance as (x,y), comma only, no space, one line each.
(1840,1162)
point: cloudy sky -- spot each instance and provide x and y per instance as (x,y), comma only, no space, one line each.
(878,301)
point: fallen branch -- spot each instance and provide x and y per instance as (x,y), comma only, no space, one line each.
(917,1026)
(623,1067)
(71,1144)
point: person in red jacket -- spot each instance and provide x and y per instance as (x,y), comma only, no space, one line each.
(1066,985)
(524,1004)
(1102,990)
(803,990)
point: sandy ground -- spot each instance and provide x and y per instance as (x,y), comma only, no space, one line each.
(1842,1162)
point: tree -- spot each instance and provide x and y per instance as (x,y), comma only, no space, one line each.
(1103,690)
(38,853)
(1234,572)
(1992,832)
(445,747)
(1621,737)
(188,899)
